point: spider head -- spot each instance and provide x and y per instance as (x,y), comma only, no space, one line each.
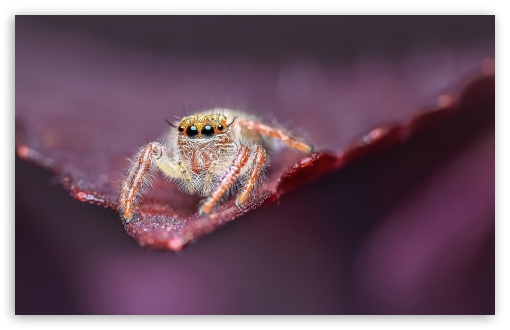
(203,126)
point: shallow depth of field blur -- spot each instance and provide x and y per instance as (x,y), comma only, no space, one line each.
(406,231)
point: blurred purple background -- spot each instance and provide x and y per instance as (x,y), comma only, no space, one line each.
(407,231)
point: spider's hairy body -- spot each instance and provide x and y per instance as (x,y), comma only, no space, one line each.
(211,154)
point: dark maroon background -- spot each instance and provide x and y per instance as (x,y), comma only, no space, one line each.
(410,230)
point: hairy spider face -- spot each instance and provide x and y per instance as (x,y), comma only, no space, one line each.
(202,126)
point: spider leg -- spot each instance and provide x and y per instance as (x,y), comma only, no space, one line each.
(240,160)
(137,177)
(274,133)
(217,166)
(150,157)
(258,164)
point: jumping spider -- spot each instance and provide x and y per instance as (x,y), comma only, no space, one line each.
(210,154)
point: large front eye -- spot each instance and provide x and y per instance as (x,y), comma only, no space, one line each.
(208,131)
(192,131)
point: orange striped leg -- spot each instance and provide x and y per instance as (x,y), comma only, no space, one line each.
(256,169)
(275,133)
(243,154)
(137,177)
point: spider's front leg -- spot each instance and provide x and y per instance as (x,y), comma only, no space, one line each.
(139,176)
(217,166)
(228,179)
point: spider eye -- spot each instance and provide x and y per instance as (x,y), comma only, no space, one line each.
(181,129)
(192,131)
(220,127)
(208,131)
